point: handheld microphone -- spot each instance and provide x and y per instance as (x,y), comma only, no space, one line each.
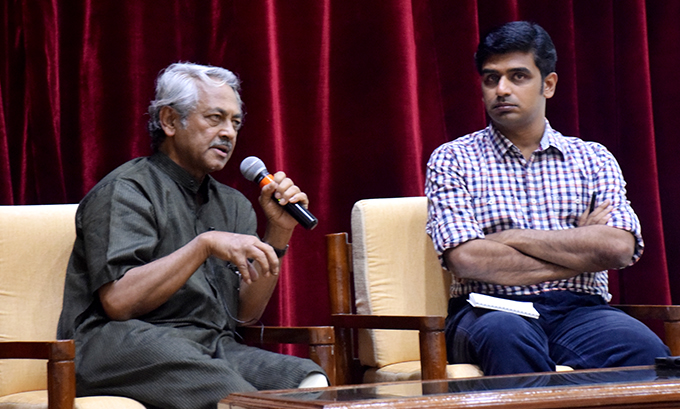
(253,169)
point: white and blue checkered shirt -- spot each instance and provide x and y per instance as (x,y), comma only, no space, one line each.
(480,184)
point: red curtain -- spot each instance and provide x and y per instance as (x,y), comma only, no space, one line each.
(349,97)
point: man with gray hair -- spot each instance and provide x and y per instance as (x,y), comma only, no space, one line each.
(167,262)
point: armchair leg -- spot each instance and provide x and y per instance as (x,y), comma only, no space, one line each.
(61,386)
(672,329)
(61,375)
(324,356)
(344,373)
(432,349)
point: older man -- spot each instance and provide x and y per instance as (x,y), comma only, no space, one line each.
(167,261)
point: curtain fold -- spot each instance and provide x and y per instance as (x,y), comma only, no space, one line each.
(348,97)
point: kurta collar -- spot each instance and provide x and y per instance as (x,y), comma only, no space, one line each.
(178,173)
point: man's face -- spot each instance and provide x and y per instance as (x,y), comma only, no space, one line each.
(514,93)
(207,142)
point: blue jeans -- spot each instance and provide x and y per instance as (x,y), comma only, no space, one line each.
(577,330)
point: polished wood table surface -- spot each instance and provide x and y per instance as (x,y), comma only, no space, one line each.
(633,387)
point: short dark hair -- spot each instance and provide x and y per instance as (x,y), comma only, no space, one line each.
(518,36)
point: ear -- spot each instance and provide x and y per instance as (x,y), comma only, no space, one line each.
(549,85)
(169,120)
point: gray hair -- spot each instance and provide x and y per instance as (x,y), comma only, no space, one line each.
(177,88)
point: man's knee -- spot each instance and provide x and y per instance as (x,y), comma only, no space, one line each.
(503,328)
(639,346)
(606,338)
(504,343)
(494,333)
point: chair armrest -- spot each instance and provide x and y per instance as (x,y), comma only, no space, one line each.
(430,333)
(321,341)
(669,314)
(288,335)
(51,350)
(654,312)
(403,322)
(61,372)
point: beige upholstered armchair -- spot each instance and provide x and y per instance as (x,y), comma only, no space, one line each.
(35,245)
(399,284)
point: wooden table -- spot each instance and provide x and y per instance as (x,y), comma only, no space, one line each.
(634,387)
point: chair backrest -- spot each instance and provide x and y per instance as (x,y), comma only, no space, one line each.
(35,245)
(396,272)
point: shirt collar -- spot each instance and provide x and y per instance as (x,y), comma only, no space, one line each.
(550,139)
(178,173)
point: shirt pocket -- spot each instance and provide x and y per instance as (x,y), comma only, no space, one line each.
(497,211)
(565,209)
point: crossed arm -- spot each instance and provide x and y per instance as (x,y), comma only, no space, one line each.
(525,256)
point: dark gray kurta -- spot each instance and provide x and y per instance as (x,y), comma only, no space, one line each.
(183,354)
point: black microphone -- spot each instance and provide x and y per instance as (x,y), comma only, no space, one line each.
(253,169)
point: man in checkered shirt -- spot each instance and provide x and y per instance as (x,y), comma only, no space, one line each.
(521,212)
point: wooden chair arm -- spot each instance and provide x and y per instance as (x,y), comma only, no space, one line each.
(288,335)
(61,370)
(430,333)
(669,314)
(403,322)
(51,350)
(654,312)
(321,341)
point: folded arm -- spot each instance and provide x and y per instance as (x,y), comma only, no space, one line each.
(583,249)
(526,256)
(496,263)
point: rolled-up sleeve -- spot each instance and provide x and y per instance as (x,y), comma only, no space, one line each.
(451,218)
(611,185)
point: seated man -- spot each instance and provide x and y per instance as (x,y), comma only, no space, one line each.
(167,262)
(519,211)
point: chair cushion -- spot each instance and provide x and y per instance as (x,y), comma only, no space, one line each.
(38,400)
(396,272)
(35,245)
(410,371)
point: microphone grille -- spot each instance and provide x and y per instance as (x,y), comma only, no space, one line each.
(251,167)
